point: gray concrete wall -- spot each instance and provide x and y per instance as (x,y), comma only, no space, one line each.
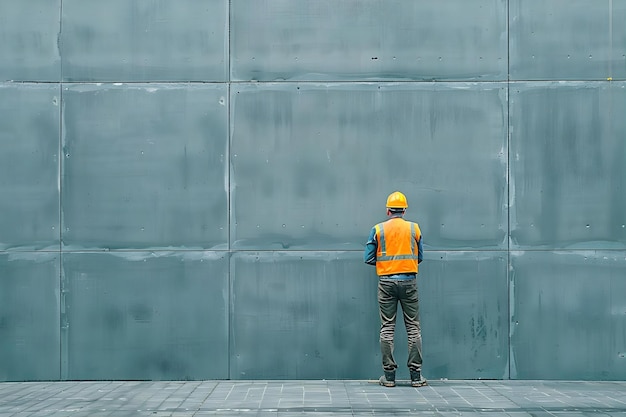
(187,186)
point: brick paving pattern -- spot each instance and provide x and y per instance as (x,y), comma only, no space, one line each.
(311,398)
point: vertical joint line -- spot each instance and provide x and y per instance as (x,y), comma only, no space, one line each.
(62,309)
(228,192)
(610,39)
(508,182)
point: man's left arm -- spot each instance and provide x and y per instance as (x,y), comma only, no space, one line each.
(369,256)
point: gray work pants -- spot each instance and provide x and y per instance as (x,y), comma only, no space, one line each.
(390,292)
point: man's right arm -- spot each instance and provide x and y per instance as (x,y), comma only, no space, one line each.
(420,251)
(369,256)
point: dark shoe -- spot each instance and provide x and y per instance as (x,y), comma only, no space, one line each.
(417,380)
(388,380)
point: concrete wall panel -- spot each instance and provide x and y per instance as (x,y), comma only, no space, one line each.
(316,163)
(315,315)
(567,40)
(464,314)
(146,315)
(568,165)
(29,316)
(151,40)
(29,166)
(368,39)
(568,315)
(145,166)
(29,40)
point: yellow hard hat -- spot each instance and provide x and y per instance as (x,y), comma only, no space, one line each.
(397,200)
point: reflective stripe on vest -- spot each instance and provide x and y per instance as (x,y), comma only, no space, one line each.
(397,256)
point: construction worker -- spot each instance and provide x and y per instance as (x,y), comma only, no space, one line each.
(395,248)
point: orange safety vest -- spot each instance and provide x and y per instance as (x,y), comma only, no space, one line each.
(397,249)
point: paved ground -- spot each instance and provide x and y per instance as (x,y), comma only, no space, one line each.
(311,398)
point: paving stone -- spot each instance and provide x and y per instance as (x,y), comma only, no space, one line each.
(311,398)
